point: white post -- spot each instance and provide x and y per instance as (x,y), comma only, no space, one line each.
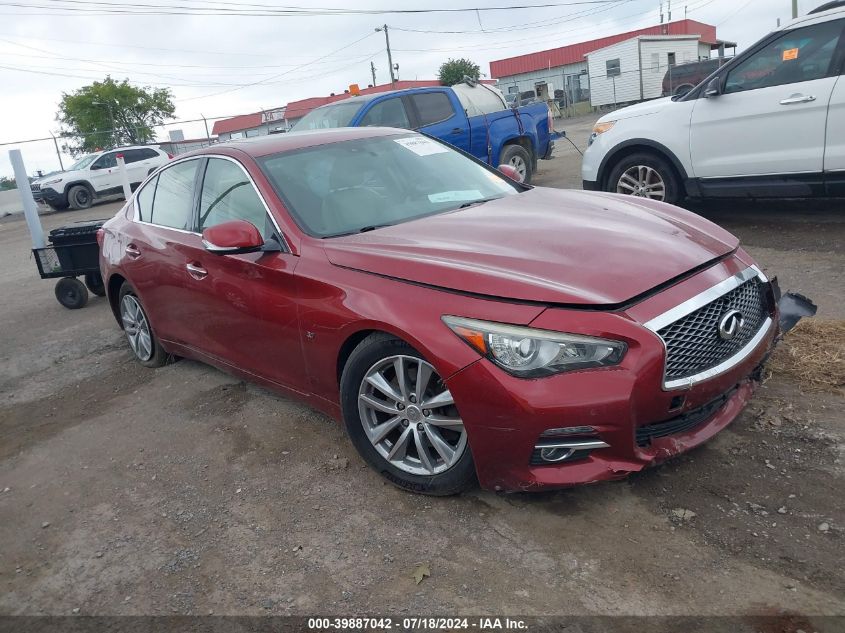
(124,177)
(29,208)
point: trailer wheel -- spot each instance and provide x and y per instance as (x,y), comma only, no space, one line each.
(95,284)
(71,293)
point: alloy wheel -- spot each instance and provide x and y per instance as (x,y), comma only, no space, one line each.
(136,327)
(642,181)
(519,165)
(409,416)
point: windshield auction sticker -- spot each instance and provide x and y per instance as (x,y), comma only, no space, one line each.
(790,54)
(421,146)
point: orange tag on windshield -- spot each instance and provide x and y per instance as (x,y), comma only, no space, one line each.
(790,53)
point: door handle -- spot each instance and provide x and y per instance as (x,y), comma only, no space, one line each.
(132,251)
(797,98)
(195,271)
(456,130)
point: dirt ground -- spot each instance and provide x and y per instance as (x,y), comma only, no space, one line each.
(125,490)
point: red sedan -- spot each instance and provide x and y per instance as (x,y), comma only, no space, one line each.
(461,325)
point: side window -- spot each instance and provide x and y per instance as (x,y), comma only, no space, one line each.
(387,113)
(148,153)
(133,155)
(799,55)
(228,194)
(144,201)
(174,196)
(432,107)
(614,68)
(105,161)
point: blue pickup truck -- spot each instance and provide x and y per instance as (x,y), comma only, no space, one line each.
(473,118)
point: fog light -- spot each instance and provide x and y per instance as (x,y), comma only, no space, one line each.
(551,452)
(555,454)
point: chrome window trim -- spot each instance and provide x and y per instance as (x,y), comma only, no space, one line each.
(699,301)
(285,246)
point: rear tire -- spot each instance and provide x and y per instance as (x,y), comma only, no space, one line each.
(645,175)
(71,293)
(139,333)
(390,443)
(518,157)
(80,197)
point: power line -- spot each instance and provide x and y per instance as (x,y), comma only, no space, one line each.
(94,7)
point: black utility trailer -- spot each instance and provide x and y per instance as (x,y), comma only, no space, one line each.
(73,252)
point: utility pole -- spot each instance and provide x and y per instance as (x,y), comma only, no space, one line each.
(389,56)
(207,135)
(373,70)
(669,11)
(794,9)
(58,153)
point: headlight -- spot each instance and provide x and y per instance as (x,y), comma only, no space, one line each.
(51,182)
(530,353)
(602,127)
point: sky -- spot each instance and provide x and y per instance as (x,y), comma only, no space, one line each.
(221,64)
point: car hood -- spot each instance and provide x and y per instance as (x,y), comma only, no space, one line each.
(546,245)
(639,109)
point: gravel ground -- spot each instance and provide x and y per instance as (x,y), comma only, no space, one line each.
(182,490)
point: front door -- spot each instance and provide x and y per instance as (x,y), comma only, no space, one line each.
(244,306)
(104,175)
(770,118)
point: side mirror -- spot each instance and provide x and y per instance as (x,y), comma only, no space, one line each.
(232,238)
(714,88)
(510,171)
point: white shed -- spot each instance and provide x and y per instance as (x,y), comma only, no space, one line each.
(633,70)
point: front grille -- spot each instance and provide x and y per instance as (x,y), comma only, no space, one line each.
(693,344)
(35,188)
(682,423)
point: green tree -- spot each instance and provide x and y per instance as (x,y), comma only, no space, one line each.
(109,114)
(453,71)
(7,183)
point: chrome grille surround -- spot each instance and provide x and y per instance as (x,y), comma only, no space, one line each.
(694,351)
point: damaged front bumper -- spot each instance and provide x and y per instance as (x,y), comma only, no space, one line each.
(603,424)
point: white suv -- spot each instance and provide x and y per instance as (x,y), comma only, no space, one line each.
(96,176)
(770,123)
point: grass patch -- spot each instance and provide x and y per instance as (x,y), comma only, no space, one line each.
(813,356)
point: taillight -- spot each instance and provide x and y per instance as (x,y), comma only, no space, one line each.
(169,155)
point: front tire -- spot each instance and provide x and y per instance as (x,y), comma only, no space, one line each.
(80,197)
(139,333)
(645,175)
(402,419)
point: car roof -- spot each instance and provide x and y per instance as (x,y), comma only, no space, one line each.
(275,143)
(823,13)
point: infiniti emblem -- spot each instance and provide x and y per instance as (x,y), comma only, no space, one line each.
(729,324)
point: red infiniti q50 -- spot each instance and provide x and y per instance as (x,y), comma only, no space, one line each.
(461,325)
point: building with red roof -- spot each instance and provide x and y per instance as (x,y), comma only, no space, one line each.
(562,72)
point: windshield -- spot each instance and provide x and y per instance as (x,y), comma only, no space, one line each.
(342,188)
(338,115)
(83,162)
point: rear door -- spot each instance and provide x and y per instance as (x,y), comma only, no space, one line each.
(244,306)
(436,115)
(158,246)
(139,164)
(834,152)
(771,117)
